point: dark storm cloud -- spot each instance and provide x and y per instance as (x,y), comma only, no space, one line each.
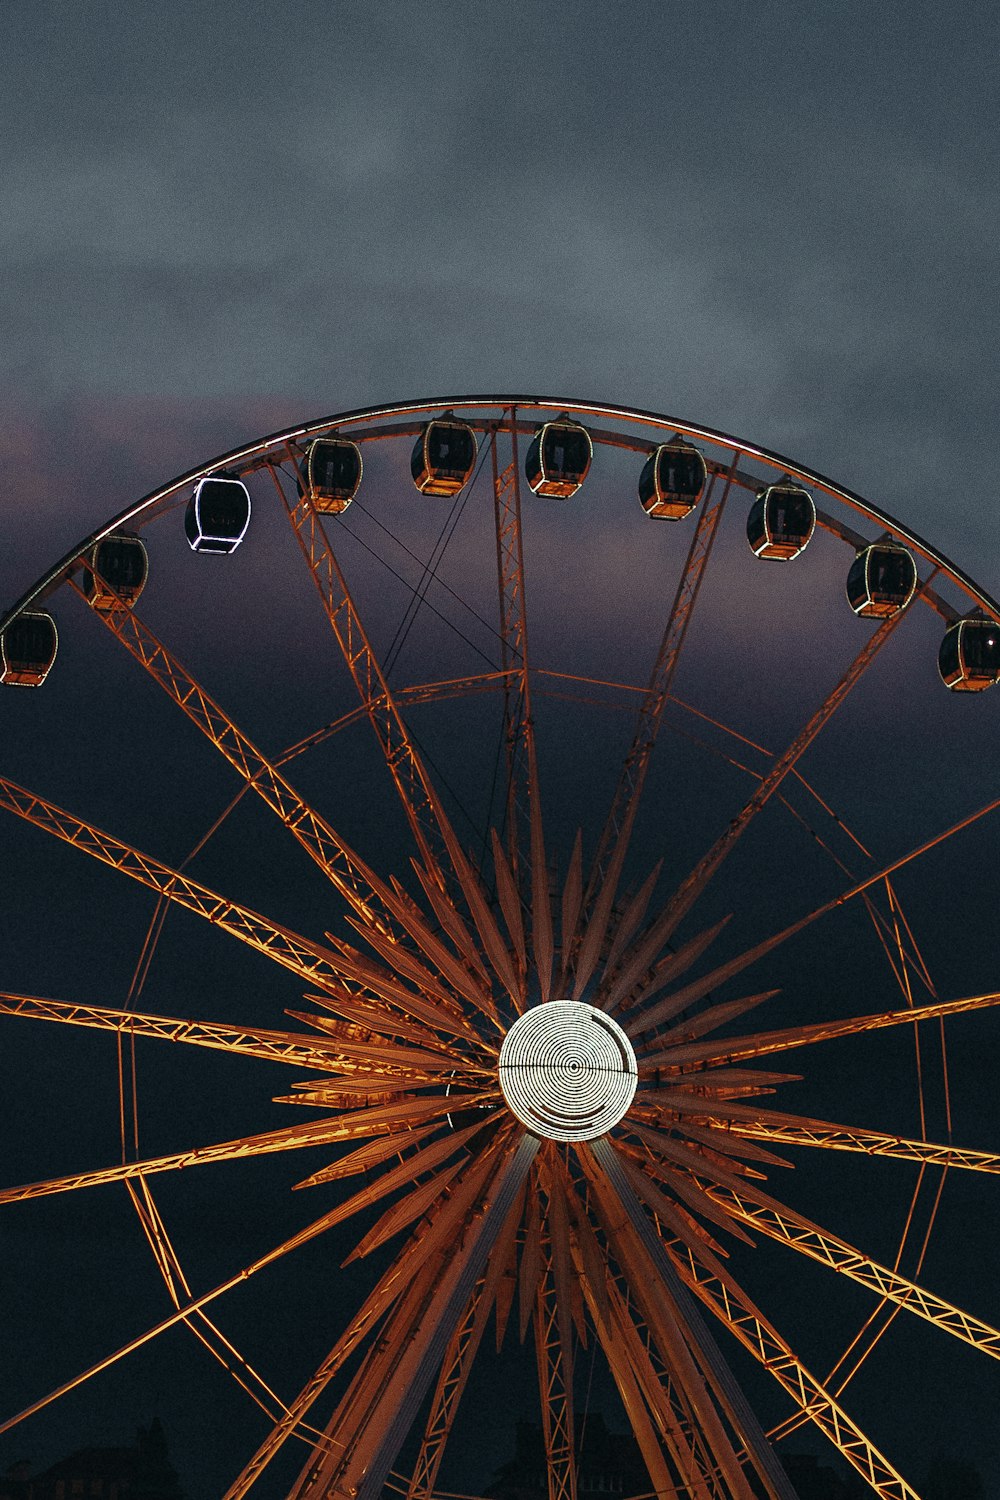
(785,224)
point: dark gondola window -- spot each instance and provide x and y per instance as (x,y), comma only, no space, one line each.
(980,647)
(450,448)
(882,580)
(567,453)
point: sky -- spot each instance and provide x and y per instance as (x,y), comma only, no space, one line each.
(775,220)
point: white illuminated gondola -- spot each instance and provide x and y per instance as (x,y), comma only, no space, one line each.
(217,514)
(28,648)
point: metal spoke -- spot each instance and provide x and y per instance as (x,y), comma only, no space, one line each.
(554,1336)
(792,1132)
(513,642)
(624,805)
(648,1020)
(641,1375)
(661,1314)
(720,1293)
(375,1415)
(372,1120)
(297,1048)
(738,1049)
(692,886)
(180,1315)
(457,1365)
(421,804)
(308,960)
(201,1325)
(768,1217)
(345,869)
(697,1336)
(418,1261)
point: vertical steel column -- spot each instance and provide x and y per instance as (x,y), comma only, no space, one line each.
(555,1382)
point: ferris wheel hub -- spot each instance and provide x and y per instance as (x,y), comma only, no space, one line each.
(567,1071)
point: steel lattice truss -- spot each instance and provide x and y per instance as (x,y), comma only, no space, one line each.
(617,1240)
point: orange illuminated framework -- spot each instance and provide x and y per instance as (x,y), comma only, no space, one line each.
(542,1086)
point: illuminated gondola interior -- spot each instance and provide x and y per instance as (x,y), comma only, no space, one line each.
(781,521)
(331,474)
(558,458)
(882,580)
(28,648)
(672,480)
(116,571)
(443,456)
(969,656)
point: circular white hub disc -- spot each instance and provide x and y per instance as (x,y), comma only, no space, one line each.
(567,1071)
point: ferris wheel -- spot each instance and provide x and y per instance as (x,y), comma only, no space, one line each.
(603,816)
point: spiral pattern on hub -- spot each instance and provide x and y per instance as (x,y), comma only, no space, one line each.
(567,1071)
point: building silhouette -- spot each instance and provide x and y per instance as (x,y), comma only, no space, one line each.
(142,1471)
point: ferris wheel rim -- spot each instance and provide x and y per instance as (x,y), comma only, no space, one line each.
(249,454)
(507,421)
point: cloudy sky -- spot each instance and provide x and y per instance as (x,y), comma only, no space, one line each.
(778,220)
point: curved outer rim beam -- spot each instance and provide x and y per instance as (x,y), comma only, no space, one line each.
(252,454)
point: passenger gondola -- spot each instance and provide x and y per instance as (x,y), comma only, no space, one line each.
(330,474)
(116,571)
(781,521)
(672,480)
(882,580)
(969,657)
(558,458)
(28,648)
(443,456)
(217,514)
